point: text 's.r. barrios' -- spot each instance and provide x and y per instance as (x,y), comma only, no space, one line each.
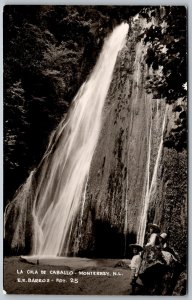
(95,150)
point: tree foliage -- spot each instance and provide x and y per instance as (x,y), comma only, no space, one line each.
(166,41)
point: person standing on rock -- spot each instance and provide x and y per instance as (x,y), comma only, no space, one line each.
(163,240)
(169,253)
(153,236)
(135,264)
(165,246)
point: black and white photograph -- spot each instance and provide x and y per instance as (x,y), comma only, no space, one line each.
(95,149)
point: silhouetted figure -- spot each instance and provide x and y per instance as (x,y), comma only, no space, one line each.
(135,264)
(173,263)
(159,268)
(163,241)
(153,235)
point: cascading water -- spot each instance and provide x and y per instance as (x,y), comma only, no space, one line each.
(127,156)
(60,194)
(155,127)
(150,186)
(65,165)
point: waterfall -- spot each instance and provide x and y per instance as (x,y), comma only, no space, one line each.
(150,187)
(17,212)
(101,164)
(65,165)
(60,194)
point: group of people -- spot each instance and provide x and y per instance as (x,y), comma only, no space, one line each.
(155,251)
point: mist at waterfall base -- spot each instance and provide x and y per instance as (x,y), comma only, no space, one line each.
(91,193)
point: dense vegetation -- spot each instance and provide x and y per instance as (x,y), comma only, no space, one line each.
(166,39)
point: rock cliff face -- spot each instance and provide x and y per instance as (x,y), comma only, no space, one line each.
(169,208)
(134,178)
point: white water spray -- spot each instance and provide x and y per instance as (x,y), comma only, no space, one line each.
(64,171)
(150,187)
